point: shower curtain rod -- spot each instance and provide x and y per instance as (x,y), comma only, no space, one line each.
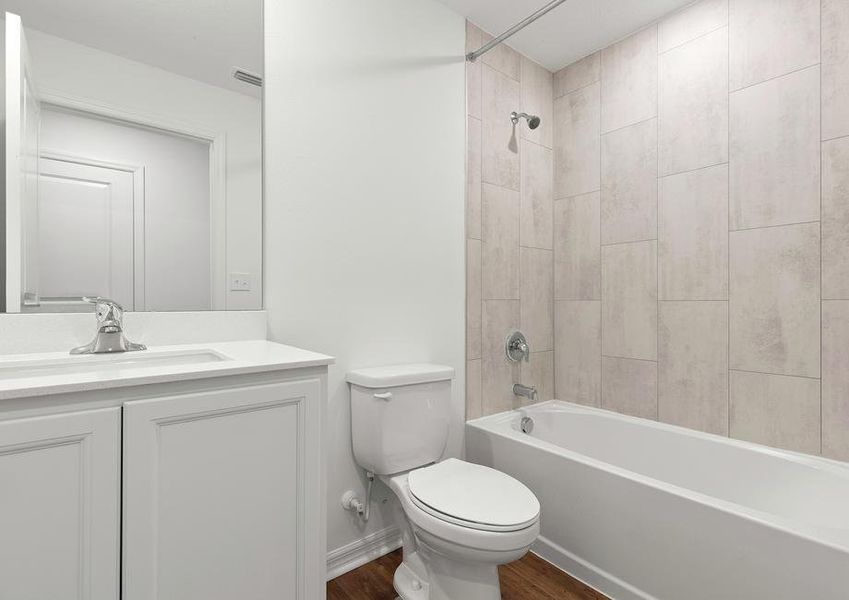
(472,56)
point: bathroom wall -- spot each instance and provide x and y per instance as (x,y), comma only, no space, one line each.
(364,210)
(509,226)
(701,223)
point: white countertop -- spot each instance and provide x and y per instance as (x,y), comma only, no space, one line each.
(239,358)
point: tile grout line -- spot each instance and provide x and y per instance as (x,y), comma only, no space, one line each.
(788,73)
(774,374)
(774,226)
(728,240)
(820,147)
(698,37)
(657,231)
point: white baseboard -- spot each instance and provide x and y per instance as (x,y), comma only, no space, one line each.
(585,572)
(358,553)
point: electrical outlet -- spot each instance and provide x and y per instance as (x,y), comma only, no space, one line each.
(240,282)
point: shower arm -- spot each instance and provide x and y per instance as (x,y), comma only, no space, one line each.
(473,56)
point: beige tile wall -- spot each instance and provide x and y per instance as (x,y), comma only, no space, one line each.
(696,226)
(510,226)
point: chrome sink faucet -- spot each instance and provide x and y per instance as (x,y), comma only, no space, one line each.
(109,336)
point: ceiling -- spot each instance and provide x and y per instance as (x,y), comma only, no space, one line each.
(201,39)
(570,31)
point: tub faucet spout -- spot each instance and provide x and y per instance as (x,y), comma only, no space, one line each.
(525,391)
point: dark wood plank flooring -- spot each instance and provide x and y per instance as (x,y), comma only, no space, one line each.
(526,579)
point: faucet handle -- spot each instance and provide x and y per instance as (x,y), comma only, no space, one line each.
(105,309)
(516,347)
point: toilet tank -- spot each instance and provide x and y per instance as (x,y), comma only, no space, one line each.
(400,416)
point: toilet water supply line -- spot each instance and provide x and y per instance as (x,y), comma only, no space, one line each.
(350,500)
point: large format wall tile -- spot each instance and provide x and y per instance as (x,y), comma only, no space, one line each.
(693,127)
(693,235)
(538,372)
(629,300)
(776,410)
(537,295)
(498,374)
(775,152)
(775,300)
(835,379)
(576,142)
(691,22)
(629,80)
(500,250)
(577,251)
(629,386)
(537,99)
(502,58)
(537,195)
(629,184)
(500,163)
(474,406)
(473,178)
(473,299)
(835,68)
(577,352)
(473,73)
(693,365)
(835,219)
(577,75)
(770,38)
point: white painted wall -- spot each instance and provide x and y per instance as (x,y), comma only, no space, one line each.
(364,205)
(177,206)
(79,73)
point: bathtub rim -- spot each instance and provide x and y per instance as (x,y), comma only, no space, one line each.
(495,425)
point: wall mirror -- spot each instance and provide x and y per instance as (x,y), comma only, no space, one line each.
(132,154)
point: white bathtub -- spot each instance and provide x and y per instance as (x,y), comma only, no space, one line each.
(639,509)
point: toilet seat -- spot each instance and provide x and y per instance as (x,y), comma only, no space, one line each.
(473,496)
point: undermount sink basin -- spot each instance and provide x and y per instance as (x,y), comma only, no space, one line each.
(95,363)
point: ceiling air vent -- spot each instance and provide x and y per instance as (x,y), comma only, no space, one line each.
(247,77)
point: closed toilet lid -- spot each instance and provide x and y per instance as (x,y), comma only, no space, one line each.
(473,496)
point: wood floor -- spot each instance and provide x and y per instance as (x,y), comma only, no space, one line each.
(530,578)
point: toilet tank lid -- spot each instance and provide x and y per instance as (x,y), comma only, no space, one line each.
(398,375)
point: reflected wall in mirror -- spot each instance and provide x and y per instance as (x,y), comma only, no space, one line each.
(131,164)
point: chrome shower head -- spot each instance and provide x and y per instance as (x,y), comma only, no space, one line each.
(533,120)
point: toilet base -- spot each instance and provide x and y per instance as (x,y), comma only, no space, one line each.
(445,578)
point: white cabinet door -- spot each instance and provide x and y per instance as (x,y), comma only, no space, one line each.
(215,490)
(59,507)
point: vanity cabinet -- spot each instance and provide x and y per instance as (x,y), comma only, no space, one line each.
(59,506)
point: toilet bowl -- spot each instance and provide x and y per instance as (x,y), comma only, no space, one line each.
(459,520)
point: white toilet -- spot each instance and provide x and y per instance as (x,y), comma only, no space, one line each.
(460,520)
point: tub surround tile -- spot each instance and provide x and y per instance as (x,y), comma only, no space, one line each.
(577,252)
(629,386)
(577,351)
(539,373)
(500,248)
(692,22)
(502,58)
(835,68)
(693,235)
(498,374)
(629,80)
(500,158)
(835,379)
(537,194)
(629,300)
(577,75)
(577,142)
(537,99)
(770,39)
(629,184)
(775,300)
(835,219)
(473,299)
(693,365)
(473,178)
(474,407)
(537,298)
(775,151)
(776,410)
(473,73)
(693,126)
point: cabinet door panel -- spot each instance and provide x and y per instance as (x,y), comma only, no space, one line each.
(213,494)
(59,499)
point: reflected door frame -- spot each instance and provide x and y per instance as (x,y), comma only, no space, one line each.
(217,141)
